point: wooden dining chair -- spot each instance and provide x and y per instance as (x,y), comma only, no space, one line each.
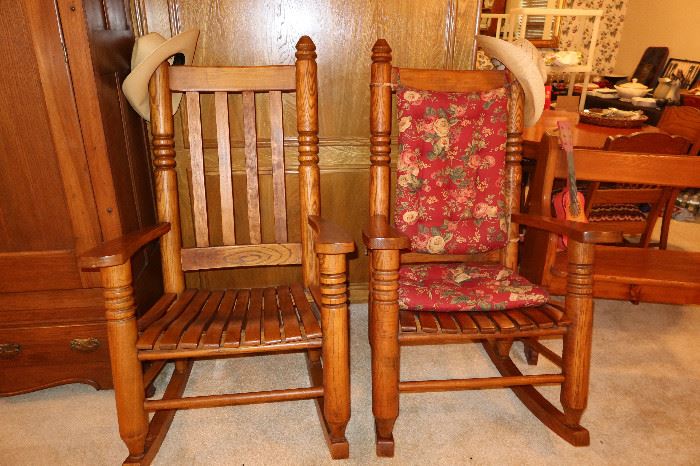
(445,270)
(188,324)
(683,121)
(619,205)
(620,272)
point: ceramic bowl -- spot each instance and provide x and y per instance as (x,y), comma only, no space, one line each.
(631,89)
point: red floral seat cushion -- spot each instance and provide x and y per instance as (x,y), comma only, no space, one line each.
(461,287)
(450,173)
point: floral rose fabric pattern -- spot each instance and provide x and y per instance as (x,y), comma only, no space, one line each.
(461,287)
(450,172)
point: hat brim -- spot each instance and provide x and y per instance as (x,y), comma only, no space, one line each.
(135,86)
(525,71)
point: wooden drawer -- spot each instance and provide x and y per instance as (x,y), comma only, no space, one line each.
(33,357)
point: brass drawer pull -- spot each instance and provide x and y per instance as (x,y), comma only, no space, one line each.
(84,345)
(10,350)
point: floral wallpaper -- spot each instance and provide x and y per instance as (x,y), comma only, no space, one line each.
(576,33)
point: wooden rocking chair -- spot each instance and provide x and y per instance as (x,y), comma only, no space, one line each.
(433,283)
(186,324)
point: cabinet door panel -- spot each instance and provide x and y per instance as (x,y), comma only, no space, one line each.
(46,201)
(32,200)
(99,41)
(47,212)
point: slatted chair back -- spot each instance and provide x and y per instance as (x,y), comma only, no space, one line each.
(384,82)
(239,248)
(648,143)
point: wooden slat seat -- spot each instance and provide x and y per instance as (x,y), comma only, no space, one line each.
(234,318)
(421,326)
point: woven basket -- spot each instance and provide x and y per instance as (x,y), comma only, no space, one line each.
(594,117)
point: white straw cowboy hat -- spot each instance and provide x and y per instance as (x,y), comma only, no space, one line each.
(150,50)
(524,64)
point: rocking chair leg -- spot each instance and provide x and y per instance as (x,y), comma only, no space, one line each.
(666,219)
(126,368)
(335,351)
(576,354)
(370,313)
(314,355)
(386,351)
(503,347)
(531,354)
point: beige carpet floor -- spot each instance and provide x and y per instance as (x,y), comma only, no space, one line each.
(643,407)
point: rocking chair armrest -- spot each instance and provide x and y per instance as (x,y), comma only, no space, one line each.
(120,250)
(379,234)
(330,237)
(577,231)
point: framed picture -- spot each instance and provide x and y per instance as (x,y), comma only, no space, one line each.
(686,70)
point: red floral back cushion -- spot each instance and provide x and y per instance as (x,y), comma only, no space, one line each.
(449,194)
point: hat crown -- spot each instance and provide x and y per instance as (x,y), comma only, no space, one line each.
(144,46)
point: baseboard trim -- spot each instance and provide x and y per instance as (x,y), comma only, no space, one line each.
(358,292)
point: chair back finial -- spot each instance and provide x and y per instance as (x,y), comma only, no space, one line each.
(381,52)
(306,49)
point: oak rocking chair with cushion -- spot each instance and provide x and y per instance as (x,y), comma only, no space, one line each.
(446,270)
(189,324)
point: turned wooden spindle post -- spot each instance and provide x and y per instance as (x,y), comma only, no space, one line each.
(167,203)
(307,127)
(578,340)
(336,351)
(126,368)
(380,129)
(514,173)
(513,180)
(385,347)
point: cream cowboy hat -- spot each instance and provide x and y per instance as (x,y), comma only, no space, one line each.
(149,52)
(523,62)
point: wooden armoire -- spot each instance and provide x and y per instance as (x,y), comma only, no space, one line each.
(74,171)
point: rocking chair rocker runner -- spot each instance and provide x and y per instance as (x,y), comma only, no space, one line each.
(187,324)
(446,271)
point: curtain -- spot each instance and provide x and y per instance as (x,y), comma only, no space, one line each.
(576,33)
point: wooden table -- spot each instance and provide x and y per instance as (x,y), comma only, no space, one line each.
(585,135)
